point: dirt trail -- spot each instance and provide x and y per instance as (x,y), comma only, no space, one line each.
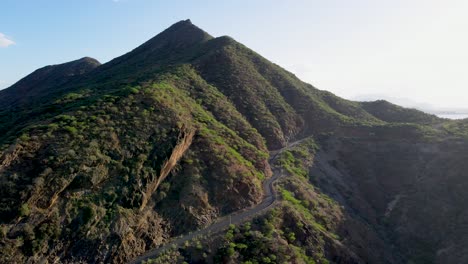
(269,199)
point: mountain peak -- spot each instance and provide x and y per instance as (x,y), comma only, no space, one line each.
(184,22)
(182,33)
(89,60)
(173,43)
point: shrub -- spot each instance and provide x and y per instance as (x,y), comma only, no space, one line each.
(24,137)
(88,214)
(71,130)
(24,210)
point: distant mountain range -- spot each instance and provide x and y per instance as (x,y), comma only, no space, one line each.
(425,107)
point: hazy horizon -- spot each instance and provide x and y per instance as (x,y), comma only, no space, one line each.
(409,51)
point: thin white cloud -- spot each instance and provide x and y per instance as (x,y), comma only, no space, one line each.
(5,41)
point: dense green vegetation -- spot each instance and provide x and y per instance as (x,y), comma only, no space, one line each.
(297,159)
(458,128)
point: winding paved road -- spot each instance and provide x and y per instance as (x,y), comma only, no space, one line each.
(235,218)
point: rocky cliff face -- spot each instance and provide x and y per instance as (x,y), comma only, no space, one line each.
(103,162)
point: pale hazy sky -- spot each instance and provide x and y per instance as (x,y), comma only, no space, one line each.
(411,49)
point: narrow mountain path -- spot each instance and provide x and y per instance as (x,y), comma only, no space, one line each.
(269,199)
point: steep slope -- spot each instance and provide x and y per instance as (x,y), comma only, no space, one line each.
(276,102)
(409,190)
(100,164)
(95,154)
